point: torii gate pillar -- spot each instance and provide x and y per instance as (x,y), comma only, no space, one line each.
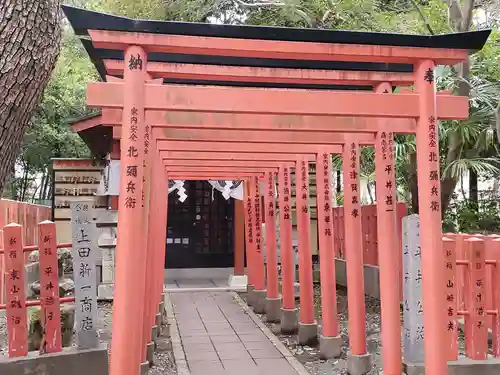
(429,197)
(126,351)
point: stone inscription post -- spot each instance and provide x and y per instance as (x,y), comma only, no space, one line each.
(84,254)
(413,341)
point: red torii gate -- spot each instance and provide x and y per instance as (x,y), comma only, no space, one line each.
(137,97)
(328,285)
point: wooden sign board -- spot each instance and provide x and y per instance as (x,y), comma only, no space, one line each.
(74,180)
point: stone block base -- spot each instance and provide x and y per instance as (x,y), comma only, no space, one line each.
(154,334)
(150,353)
(165,331)
(259,301)
(105,292)
(163,315)
(359,364)
(238,282)
(158,322)
(250,295)
(145,368)
(296,290)
(330,347)
(308,333)
(464,366)
(68,362)
(163,310)
(273,310)
(289,321)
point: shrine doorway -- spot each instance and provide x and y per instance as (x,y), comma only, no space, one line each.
(200,230)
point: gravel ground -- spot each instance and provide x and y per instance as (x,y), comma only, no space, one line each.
(309,356)
(163,362)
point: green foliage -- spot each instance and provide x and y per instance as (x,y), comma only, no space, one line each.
(63,100)
(146,9)
(50,135)
(468,217)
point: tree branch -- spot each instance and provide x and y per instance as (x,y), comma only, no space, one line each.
(300,12)
(497,121)
(260,4)
(422,15)
(455,13)
(467,15)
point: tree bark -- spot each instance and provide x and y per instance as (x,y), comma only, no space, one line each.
(30,33)
(339,182)
(473,188)
(42,186)
(24,185)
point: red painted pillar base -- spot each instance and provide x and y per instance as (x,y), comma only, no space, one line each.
(289,318)
(273,299)
(308,327)
(259,293)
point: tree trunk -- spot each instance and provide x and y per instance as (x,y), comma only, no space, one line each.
(43,194)
(448,186)
(30,33)
(33,196)
(473,190)
(50,188)
(47,184)
(339,182)
(42,186)
(496,189)
(24,183)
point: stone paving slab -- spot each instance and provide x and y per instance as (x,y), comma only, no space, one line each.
(220,338)
(179,284)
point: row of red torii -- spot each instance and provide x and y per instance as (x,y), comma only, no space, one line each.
(207,132)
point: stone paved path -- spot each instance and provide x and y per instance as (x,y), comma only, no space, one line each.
(219,338)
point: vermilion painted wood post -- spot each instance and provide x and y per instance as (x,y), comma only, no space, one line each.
(400,213)
(495,251)
(150,227)
(239,238)
(450,273)
(463,276)
(257,296)
(289,317)
(2,261)
(364,235)
(157,176)
(160,242)
(430,221)
(477,342)
(354,249)
(490,270)
(249,240)
(17,334)
(162,247)
(147,233)
(129,290)
(307,323)
(330,332)
(49,289)
(388,248)
(461,271)
(260,274)
(273,302)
